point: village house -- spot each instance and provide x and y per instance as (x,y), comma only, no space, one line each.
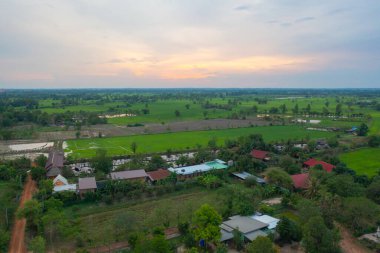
(300,181)
(250,226)
(244,175)
(313,162)
(54,164)
(158,175)
(260,155)
(86,184)
(197,170)
(134,175)
(61,184)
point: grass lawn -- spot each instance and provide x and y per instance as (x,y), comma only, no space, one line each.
(148,214)
(364,161)
(150,143)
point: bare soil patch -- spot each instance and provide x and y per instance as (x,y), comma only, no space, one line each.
(17,242)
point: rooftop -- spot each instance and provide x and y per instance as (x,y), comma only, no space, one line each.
(259,154)
(158,174)
(300,181)
(128,174)
(86,183)
(244,224)
(188,170)
(313,162)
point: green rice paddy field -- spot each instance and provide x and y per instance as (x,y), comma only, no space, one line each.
(365,161)
(151,143)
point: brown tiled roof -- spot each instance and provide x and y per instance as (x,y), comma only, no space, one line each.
(158,174)
(259,154)
(86,183)
(313,162)
(128,174)
(300,181)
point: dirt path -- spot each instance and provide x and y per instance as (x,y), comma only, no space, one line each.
(350,244)
(17,243)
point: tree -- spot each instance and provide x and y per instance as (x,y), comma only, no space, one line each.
(101,162)
(317,238)
(359,213)
(156,162)
(363,130)
(374,141)
(295,109)
(38,173)
(289,231)
(373,191)
(238,239)
(261,245)
(344,185)
(160,244)
(279,178)
(134,147)
(31,211)
(338,109)
(212,143)
(37,245)
(206,223)
(40,160)
(4,239)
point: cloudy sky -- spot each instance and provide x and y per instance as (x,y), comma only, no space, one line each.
(192,43)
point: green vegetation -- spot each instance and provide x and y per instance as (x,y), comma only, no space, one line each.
(365,161)
(85,148)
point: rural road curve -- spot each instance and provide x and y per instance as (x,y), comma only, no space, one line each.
(17,243)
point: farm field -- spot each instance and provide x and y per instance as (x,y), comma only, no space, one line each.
(364,161)
(86,148)
(150,213)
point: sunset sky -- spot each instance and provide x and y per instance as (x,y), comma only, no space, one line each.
(192,43)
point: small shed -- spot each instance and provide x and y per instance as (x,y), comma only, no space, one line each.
(86,184)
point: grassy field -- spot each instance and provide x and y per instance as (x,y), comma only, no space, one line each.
(147,214)
(364,161)
(150,143)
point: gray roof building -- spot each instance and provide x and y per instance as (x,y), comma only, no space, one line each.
(87,183)
(248,226)
(54,164)
(128,174)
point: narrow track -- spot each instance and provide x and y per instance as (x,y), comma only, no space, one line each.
(17,243)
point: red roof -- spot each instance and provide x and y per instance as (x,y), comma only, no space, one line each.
(313,162)
(300,181)
(259,154)
(158,174)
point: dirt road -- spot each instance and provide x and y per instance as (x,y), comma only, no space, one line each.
(17,243)
(350,244)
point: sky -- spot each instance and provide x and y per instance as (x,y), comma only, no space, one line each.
(192,43)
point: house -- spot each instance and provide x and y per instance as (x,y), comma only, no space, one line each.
(271,221)
(197,170)
(137,175)
(250,226)
(61,184)
(300,181)
(158,175)
(313,162)
(86,184)
(322,144)
(54,164)
(260,154)
(244,175)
